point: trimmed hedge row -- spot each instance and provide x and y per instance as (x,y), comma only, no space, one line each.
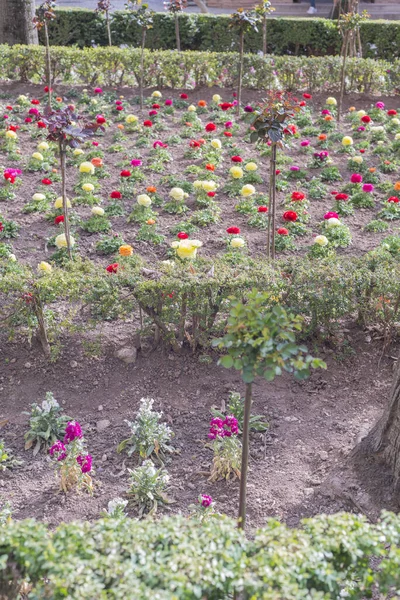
(302,36)
(178,559)
(117,67)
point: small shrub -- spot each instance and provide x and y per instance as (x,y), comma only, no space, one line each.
(72,462)
(46,424)
(147,487)
(226,447)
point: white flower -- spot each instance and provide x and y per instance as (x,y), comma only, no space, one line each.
(144,200)
(177,194)
(98,211)
(321,240)
(38,197)
(216,144)
(237,242)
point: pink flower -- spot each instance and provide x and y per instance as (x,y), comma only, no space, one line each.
(380,105)
(72,431)
(331,215)
(98,90)
(136,162)
(228,124)
(205,500)
(153,113)
(58,448)
(168,103)
(160,144)
(356,178)
(85,463)
(368,187)
(305,143)
(325,112)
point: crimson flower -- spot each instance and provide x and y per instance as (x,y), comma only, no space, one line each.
(41,125)
(366,119)
(125,173)
(184,96)
(262,209)
(182,235)
(331,215)
(100,120)
(298,196)
(156,106)
(341,196)
(46,181)
(147,123)
(59,219)
(113,268)
(290,215)
(237,159)
(194,144)
(282,231)
(211,194)
(233,230)
(119,107)
(1,226)
(227,134)
(307,96)
(210,127)
(393,199)
(34,101)
(116,195)
(225,105)
(392,112)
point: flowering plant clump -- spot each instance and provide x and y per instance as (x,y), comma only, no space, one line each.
(203,509)
(226,447)
(72,462)
(147,488)
(46,424)
(236,408)
(148,437)
(116,509)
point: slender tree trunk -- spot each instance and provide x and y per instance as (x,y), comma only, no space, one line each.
(343,74)
(245,457)
(48,63)
(142,68)
(63,154)
(38,308)
(239,92)
(203,7)
(383,441)
(16,22)
(271,205)
(177,34)
(108,28)
(264,34)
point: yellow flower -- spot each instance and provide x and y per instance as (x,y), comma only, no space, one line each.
(61,241)
(236,172)
(209,186)
(12,257)
(395,121)
(125,250)
(216,98)
(397,136)
(321,240)
(347,141)
(248,190)
(216,144)
(22,98)
(177,194)
(331,101)
(251,166)
(357,159)
(78,152)
(86,167)
(11,135)
(59,203)
(237,242)
(37,156)
(192,108)
(98,211)
(144,200)
(43,146)
(44,266)
(156,94)
(38,197)
(198,185)
(361,113)
(131,119)
(88,187)
(187,248)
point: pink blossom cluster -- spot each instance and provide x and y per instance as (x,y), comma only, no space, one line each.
(73,431)
(223,427)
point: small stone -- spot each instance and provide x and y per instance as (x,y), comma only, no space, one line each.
(2,483)
(104,458)
(191,486)
(100,408)
(291,419)
(73,364)
(102,425)
(27,365)
(13,360)
(323,455)
(127,355)
(308,492)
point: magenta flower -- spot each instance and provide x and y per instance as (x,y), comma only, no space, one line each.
(248,109)
(305,143)
(380,105)
(136,162)
(85,463)
(33,111)
(159,144)
(152,113)
(331,215)
(98,90)
(368,187)
(228,124)
(168,103)
(205,500)
(361,128)
(232,423)
(325,112)
(58,448)
(72,431)
(293,168)
(356,178)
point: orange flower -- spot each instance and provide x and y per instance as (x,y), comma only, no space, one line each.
(202,141)
(372,169)
(322,137)
(210,167)
(397,186)
(328,118)
(120,126)
(150,221)
(151,189)
(188,124)
(352,108)
(202,103)
(97,162)
(126,250)
(59,99)
(54,170)
(387,162)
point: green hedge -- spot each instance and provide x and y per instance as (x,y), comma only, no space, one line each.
(303,36)
(178,559)
(117,67)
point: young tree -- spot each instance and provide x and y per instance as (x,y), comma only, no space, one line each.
(44,14)
(261,341)
(242,21)
(263,9)
(269,124)
(16,18)
(143,17)
(62,128)
(174,7)
(103,7)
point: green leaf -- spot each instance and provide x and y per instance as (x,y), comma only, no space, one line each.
(226,361)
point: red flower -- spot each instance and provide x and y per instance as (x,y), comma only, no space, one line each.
(362,150)
(210,127)
(13,127)
(35,101)
(307,96)
(227,134)
(290,215)
(113,268)
(119,107)
(9,107)
(194,144)
(393,199)
(366,119)
(125,173)
(341,196)
(118,102)
(28,120)
(46,181)
(116,195)
(277,172)
(298,196)
(1,226)
(225,105)
(211,194)
(100,120)
(237,159)
(392,112)
(59,219)
(46,89)
(282,231)
(182,235)
(156,106)
(184,96)
(233,230)
(263,209)
(41,125)
(302,103)
(148,123)
(210,167)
